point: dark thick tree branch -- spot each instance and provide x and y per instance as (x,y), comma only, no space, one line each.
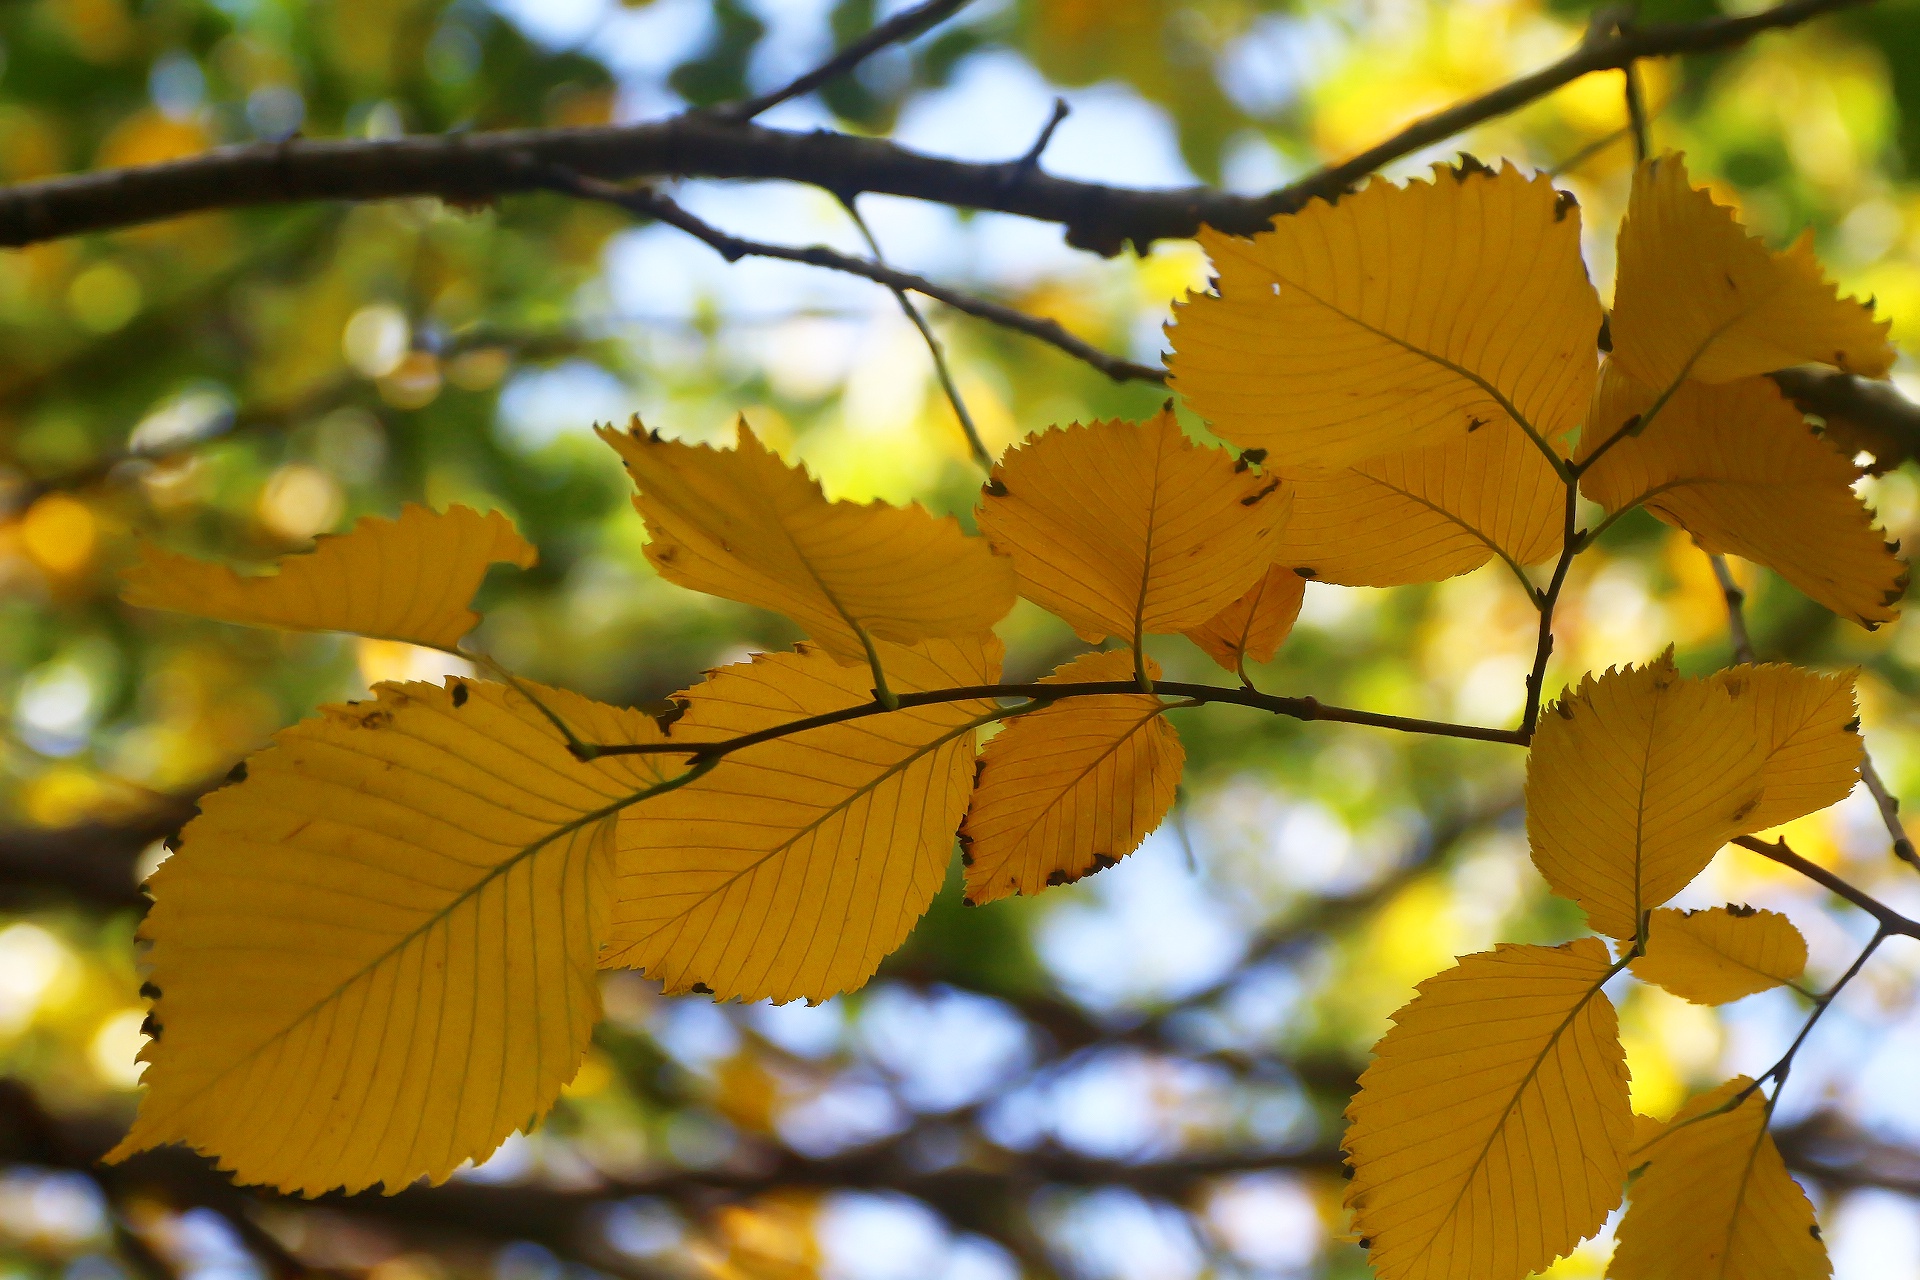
(475,168)
(92,863)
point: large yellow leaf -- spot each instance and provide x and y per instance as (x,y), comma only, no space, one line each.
(1490,1133)
(1737,467)
(1807,724)
(407,579)
(742,524)
(1396,318)
(1426,514)
(1696,296)
(376,953)
(1711,957)
(1254,625)
(1633,783)
(1716,1202)
(1072,788)
(796,865)
(1126,528)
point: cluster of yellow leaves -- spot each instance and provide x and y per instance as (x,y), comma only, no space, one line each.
(372,873)
(375,952)
(1493,1131)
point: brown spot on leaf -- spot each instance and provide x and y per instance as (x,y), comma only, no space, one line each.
(459,693)
(1253,498)
(1564,202)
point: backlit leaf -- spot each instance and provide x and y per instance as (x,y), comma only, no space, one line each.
(1810,730)
(1254,625)
(377,952)
(1737,467)
(1635,780)
(1490,1133)
(1125,527)
(1696,296)
(1426,514)
(1398,317)
(795,866)
(1717,1201)
(1071,788)
(742,524)
(1711,957)
(406,579)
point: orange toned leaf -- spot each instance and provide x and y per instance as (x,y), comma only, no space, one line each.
(797,864)
(1697,297)
(1126,528)
(376,952)
(1490,1133)
(1072,788)
(1717,1201)
(1254,625)
(1426,514)
(406,579)
(1808,725)
(1393,319)
(1711,957)
(1634,782)
(1738,467)
(742,524)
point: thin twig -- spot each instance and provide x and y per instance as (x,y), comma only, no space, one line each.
(1637,114)
(1736,613)
(898,29)
(1889,811)
(1779,1071)
(978,447)
(652,204)
(1038,695)
(1570,544)
(1030,161)
(1891,921)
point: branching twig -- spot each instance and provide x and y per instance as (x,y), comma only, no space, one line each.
(1889,811)
(652,204)
(469,168)
(898,29)
(1571,543)
(1736,613)
(975,445)
(1891,921)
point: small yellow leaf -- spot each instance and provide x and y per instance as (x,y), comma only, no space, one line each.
(1697,297)
(1738,467)
(407,579)
(1717,1201)
(1426,514)
(1633,783)
(1490,1133)
(1254,625)
(1129,527)
(796,865)
(1397,318)
(742,524)
(376,953)
(1711,957)
(1071,788)
(1810,730)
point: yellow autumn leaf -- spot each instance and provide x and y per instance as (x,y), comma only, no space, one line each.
(797,864)
(1422,515)
(407,579)
(1254,625)
(1129,528)
(1738,467)
(1807,724)
(1716,1200)
(1072,788)
(1634,781)
(1490,1133)
(1696,297)
(376,952)
(1396,318)
(742,524)
(1722,954)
